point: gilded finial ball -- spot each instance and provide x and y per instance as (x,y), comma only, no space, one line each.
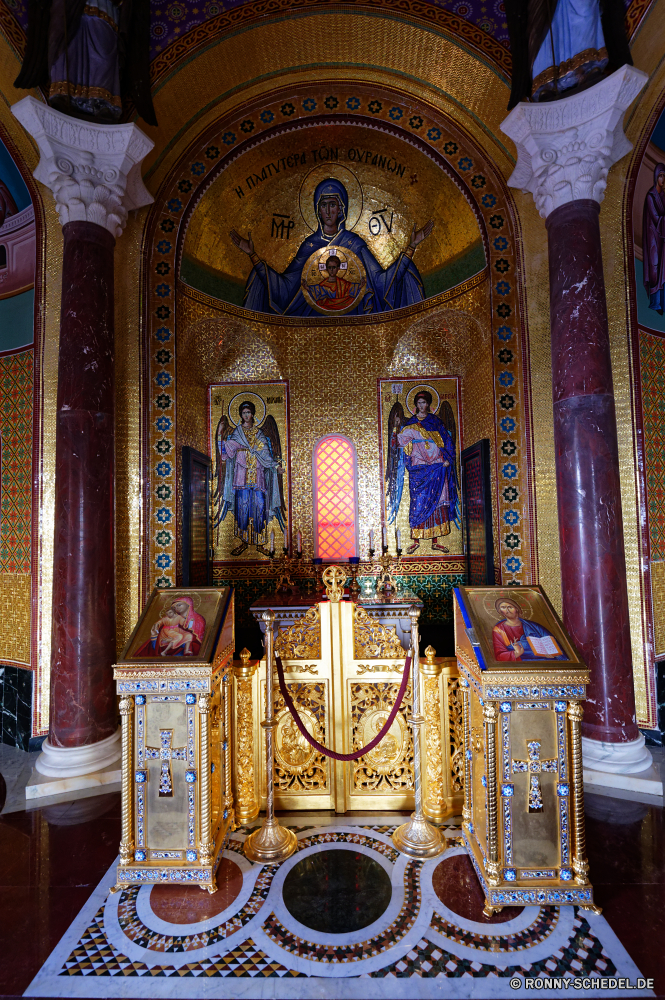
(245,655)
(414,612)
(268,616)
(430,653)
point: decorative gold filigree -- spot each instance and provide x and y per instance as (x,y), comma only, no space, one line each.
(334,578)
(456,733)
(247,806)
(477,739)
(298,767)
(389,767)
(302,640)
(376,668)
(436,784)
(302,668)
(372,639)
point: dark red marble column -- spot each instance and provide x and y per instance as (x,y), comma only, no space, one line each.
(83,707)
(593,568)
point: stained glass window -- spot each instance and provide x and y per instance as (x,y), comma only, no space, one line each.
(335,506)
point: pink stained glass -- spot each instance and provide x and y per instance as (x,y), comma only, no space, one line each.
(335,499)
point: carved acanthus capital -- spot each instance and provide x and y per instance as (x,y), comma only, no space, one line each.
(93,171)
(565,148)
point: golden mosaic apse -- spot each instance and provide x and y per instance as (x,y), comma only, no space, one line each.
(267,197)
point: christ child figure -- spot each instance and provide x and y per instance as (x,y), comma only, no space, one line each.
(171,634)
(334,292)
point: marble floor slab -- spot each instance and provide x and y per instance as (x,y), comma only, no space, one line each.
(266,933)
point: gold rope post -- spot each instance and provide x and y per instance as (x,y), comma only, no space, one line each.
(247,805)
(490,717)
(271,843)
(417,838)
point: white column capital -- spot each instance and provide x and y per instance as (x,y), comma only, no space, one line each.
(93,171)
(565,148)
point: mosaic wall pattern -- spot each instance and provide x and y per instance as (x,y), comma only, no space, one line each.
(16,475)
(459,157)
(652,365)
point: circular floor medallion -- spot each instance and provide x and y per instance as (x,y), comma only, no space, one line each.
(189,904)
(337,892)
(457,886)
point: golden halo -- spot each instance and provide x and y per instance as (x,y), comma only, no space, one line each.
(490,600)
(169,596)
(321,172)
(253,397)
(314,270)
(412,393)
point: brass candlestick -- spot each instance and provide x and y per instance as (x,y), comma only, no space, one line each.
(285,584)
(386,582)
(417,839)
(271,843)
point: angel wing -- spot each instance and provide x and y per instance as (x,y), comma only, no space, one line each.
(271,431)
(223,430)
(446,415)
(394,462)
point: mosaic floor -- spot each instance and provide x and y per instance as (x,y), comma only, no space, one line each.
(245,940)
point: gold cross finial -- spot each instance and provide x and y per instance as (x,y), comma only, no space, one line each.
(334,578)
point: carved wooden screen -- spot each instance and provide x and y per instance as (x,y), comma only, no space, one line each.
(196,535)
(335,502)
(477,499)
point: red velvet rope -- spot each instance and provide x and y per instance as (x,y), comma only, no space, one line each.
(319,746)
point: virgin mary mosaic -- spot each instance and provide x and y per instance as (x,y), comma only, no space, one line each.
(333,271)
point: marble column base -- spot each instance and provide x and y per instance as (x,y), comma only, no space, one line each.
(42,790)
(71,762)
(616,758)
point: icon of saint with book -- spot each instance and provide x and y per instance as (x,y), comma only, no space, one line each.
(517,639)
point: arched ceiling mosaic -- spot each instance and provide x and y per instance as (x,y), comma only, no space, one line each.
(180,27)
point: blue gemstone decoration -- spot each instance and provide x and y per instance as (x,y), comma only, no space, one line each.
(565,874)
(226,813)
(190,776)
(468,754)
(505,706)
(563,789)
(212,767)
(140,699)
(559,706)
(139,855)
(141,777)
(483,781)
(191,855)
(509,874)
(190,699)
(507,790)
(471,831)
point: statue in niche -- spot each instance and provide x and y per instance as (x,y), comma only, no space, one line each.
(559,47)
(653,240)
(89,54)
(424,446)
(249,475)
(359,286)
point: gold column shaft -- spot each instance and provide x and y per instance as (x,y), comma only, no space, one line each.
(127,787)
(467,813)
(580,863)
(417,838)
(247,802)
(435,791)
(206,844)
(271,843)
(490,716)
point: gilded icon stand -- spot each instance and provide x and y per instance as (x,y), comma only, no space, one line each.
(523,685)
(271,843)
(174,683)
(417,838)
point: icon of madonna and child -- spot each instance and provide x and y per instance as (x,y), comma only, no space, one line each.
(333,271)
(179,631)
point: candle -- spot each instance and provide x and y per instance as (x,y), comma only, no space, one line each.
(371,541)
(398,538)
(298,542)
(272,541)
(385,538)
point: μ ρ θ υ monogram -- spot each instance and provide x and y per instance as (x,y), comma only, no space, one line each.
(281,230)
(534,766)
(165,752)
